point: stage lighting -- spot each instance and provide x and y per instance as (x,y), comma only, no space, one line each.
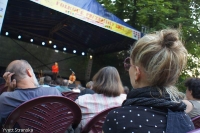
(50,42)
(83,53)
(90,56)
(54,46)
(31,40)
(43,43)
(64,49)
(19,37)
(74,51)
(7,33)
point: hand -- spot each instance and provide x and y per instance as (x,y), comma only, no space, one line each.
(10,84)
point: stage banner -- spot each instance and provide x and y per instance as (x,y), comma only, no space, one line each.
(3,5)
(84,15)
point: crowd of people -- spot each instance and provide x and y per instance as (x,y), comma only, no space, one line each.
(153,105)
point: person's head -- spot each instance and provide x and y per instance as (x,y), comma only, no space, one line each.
(193,88)
(126,90)
(56,63)
(157,60)
(59,81)
(23,72)
(65,82)
(89,85)
(107,81)
(47,80)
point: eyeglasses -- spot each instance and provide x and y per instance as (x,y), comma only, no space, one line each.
(127,64)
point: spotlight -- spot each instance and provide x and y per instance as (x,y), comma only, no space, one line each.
(43,43)
(31,40)
(90,56)
(50,42)
(19,37)
(83,53)
(7,33)
(54,46)
(64,49)
(74,51)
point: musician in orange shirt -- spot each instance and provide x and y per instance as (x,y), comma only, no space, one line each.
(72,78)
(55,70)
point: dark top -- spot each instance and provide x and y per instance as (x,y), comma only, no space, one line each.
(86,91)
(10,100)
(136,119)
(147,111)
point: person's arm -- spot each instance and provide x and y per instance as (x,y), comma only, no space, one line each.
(189,106)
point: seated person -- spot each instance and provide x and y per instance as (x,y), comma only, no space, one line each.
(64,87)
(88,89)
(22,88)
(77,88)
(108,93)
(192,97)
(153,105)
(126,90)
(47,81)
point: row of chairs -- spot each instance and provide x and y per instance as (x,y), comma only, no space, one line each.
(53,114)
(44,113)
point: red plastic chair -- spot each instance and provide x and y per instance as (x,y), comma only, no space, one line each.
(47,114)
(96,123)
(196,122)
(195,131)
(71,95)
(2,88)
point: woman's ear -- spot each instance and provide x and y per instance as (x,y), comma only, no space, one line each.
(137,73)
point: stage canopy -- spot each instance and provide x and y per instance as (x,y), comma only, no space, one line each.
(73,26)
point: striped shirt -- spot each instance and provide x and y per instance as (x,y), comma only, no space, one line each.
(92,104)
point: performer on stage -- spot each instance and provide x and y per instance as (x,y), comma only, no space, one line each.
(55,70)
(72,78)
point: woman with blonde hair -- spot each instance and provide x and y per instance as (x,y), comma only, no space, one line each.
(153,106)
(108,93)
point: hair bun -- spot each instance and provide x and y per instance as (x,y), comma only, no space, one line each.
(169,37)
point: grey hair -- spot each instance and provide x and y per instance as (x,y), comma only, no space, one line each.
(19,68)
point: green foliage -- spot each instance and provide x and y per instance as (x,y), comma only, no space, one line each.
(148,15)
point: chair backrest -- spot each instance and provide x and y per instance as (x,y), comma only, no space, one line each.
(196,122)
(47,114)
(96,123)
(195,131)
(2,88)
(71,95)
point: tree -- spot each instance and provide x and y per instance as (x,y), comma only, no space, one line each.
(148,15)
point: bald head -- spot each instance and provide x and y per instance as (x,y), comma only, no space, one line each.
(19,68)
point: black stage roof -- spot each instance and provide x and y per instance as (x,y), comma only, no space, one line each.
(34,21)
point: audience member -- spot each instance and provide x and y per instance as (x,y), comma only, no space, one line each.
(47,81)
(153,106)
(108,93)
(126,90)
(89,85)
(76,89)
(23,87)
(88,89)
(64,86)
(193,97)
